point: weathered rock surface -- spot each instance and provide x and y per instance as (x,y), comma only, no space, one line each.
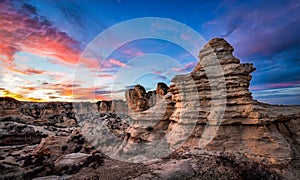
(215,101)
(260,131)
(72,163)
(161,90)
(139,100)
(59,114)
(50,156)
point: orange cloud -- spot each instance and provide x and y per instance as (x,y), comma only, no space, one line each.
(28,88)
(80,93)
(20,97)
(21,69)
(87,93)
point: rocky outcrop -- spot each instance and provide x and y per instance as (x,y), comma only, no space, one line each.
(246,126)
(151,95)
(113,106)
(104,106)
(161,90)
(137,98)
(214,111)
(84,107)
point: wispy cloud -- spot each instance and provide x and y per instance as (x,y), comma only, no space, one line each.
(21,69)
(186,67)
(290,84)
(103,75)
(286,95)
(19,96)
(117,62)
(257,27)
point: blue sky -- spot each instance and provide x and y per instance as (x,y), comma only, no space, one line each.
(41,42)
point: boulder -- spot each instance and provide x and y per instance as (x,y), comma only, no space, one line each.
(72,163)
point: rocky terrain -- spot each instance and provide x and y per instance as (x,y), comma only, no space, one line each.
(205,125)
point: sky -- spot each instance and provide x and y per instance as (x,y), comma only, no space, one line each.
(49,50)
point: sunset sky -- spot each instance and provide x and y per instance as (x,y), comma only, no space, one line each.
(41,43)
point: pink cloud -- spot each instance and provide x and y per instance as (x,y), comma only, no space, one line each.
(139,53)
(33,71)
(23,30)
(275,85)
(281,85)
(157,72)
(117,62)
(109,76)
(185,67)
(133,52)
(190,65)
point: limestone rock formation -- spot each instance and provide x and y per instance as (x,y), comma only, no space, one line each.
(139,100)
(136,98)
(151,95)
(119,106)
(161,90)
(247,126)
(214,102)
(84,107)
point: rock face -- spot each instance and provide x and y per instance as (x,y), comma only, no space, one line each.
(215,101)
(151,95)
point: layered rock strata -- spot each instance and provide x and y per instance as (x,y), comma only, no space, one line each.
(214,102)
(60,114)
(257,130)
